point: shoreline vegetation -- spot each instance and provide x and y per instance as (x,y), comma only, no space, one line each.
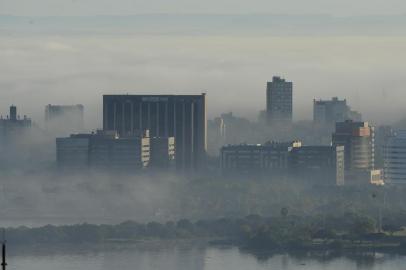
(337,234)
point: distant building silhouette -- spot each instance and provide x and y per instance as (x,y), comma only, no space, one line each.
(180,116)
(64,117)
(13,128)
(328,112)
(279,101)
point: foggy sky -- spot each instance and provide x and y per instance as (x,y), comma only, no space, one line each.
(121,7)
(233,71)
(49,62)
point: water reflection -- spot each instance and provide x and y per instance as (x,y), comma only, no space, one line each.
(187,256)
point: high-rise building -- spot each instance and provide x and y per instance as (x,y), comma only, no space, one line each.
(180,116)
(256,158)
(68,118)
(319,164)
(394,169)
(104,150)
(12,128)
(331,111)
(359,148)
(279,105)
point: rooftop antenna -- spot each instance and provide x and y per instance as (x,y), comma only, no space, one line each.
(3,251)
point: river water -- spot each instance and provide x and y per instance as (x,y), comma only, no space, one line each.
(188,257)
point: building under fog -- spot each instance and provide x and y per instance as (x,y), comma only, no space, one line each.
(180,116)
(104,150)
(319,164)
(216,130)
(359,148)
(328,112)
(162,154)
(64,117)
(395,159)
(13,127)
(279,101)
(256,158)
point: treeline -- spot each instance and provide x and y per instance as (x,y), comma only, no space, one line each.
(281,232)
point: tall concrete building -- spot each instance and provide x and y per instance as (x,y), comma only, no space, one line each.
(279,101)
(359,148)
(64,117)
(319,164)
(394,169)
(331,111)
(180,116)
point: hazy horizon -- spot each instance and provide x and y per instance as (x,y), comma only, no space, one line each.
(63,60)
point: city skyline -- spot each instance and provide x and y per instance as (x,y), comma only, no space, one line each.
(197,135)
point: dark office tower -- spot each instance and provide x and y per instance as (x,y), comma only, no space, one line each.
(179,116)
(279,101)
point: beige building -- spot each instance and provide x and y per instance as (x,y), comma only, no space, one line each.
(359,148)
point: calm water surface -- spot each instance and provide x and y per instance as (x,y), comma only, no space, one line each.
(174,257)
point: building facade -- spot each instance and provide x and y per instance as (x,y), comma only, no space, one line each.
(104,150)
(394,169)
(319,164)
(256,158)
(163,153)
(359,148)
(279,101)
(180,116)
(73,152)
